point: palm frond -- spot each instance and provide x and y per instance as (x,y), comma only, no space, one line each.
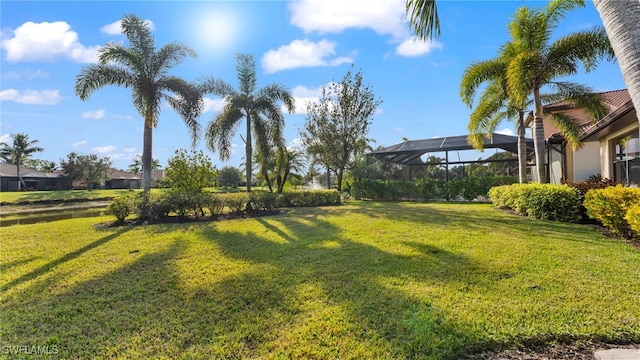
(95,76)
(568,127)
(478,73)
(423,18)
(221,130)
(586,47)
(246,68)
(211,85)
(139,35)
(172,54)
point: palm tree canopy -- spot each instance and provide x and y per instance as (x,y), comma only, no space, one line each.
(19,149)
(145,71)
(259,107)
(423,18)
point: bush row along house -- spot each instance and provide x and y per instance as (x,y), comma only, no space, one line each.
(611,146)
(37,180)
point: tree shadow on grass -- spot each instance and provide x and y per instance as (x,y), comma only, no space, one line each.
(360,279)
(67,257)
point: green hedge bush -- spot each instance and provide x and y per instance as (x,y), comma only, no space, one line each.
(540,201)
(633,218)
(122,206)
(610,206)
(468,188)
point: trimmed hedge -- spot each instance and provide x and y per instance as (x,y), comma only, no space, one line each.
(468,188)
(633,217)
(539,201)
(184,204)
(611,205)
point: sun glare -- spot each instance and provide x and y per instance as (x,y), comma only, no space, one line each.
(217,31)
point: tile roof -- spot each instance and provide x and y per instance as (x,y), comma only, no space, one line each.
(9,170)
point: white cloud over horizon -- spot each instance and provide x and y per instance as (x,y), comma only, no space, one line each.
(115,27)
(212,105)
(31,97)
(413,47)
(302,53)
(104,149)
(24,74)
(97,114)
(47,41)
(334,16)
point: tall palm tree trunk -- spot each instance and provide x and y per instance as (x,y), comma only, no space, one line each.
(248,152)
(522,149)
(538,137)
(621,21)
(21,180)
(146,158)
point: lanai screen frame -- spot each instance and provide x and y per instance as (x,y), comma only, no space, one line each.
(409,152)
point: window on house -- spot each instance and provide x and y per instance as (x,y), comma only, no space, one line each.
(627,160)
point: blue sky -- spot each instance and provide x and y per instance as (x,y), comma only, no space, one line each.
(301,44)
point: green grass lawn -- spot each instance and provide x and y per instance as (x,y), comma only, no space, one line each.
(361,281)
(15,197)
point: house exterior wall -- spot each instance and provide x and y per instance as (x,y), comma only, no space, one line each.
(586,161)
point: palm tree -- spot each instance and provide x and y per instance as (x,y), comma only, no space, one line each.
(535,63)
(494,105)
(136,166)
(258,107)
(287,160)
(19,150)
(620,19)
(423,18)
(145,71)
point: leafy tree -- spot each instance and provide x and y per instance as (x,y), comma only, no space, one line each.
(136,166)
(41,165)
(259,108)
(338,122)
(534,62)
(87,169)
(145,71)
(18,151)
(190,171)
(229,176)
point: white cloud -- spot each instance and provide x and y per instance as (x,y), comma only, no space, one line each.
(506,131)
(31,97)
(303,96)
(79,143)
(334,16)
(104,149)
(302,53)
(130,150)
(122,117)
(115,29)
(47,42)
(213,105)
(6,138)
(412,48)
(98,114)
(26,74)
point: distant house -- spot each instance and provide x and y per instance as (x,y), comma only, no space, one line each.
(33,179)
(611,146)
(156,177)
(118,179)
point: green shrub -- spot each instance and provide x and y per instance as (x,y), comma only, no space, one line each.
(212,202)
(633,218)
(307,198)
(429,189)
(122,206)
(236,202)
(593,182)
(610,206)
(155,208)
(262,200)
(540,201)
